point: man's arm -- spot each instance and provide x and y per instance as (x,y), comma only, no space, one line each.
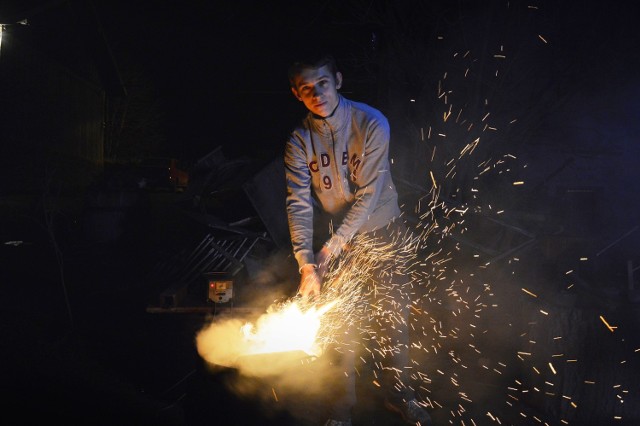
(298,203)
(370,178)
(300,217)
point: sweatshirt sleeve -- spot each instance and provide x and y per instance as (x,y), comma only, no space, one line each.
(299,203)
(370,179)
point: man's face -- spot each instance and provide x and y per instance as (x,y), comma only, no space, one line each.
(317,88)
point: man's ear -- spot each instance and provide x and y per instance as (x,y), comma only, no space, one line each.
(338,80)
(295,93)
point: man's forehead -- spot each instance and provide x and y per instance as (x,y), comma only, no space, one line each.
(311,75)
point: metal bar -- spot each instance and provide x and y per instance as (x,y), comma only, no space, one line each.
(634,229)
(255,240)
(506,225)
(198,267)
(221,266)
(235,254)
(221,255)
(223,251)
(230,262)
(198,250)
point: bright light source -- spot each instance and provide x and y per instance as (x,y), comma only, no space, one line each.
(23,22)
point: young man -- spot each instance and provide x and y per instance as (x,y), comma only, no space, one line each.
(339,185)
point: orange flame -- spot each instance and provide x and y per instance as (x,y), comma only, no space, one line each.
(287,330)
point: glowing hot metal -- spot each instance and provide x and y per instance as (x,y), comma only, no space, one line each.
(290,329)
(285,332)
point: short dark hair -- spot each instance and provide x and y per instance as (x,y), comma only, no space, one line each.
(313,62)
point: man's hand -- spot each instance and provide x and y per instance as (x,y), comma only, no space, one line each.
(322,260)
(311,276)
(310,282)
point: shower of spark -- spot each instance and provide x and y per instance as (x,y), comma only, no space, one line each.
(307,325)
(467,334)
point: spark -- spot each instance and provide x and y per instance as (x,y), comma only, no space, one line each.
(611,328)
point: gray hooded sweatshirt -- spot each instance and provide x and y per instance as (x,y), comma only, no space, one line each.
(339,165)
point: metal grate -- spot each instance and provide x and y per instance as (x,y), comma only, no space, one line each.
(211,254)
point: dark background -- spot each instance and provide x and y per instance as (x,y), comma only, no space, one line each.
(215,65)
(206,69)
(550,88)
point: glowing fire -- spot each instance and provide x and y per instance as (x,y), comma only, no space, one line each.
(287,330)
